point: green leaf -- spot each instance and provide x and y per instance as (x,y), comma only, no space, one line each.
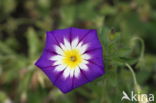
(33,43)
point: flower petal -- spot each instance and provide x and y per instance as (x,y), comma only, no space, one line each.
(82,47)
(63,47)
(65,85)
(60,67)
(44,61)
(80,80)
(83,66)
(79,33)
(56,57)
(72,73)
(51,73)
(57,63)
(61,34)
(86,56)
(77,72)
(50,41)
(58,50)
(74,43)
(67,44)
(94,71)
(66,72)
(92,40)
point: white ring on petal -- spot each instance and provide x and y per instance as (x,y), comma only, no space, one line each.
(74,43)
(85,62)
(58,59)
(83,48)
(77,72)
(63,47)
(60,68)
(79,45)
(58,62)
(66,72)
(58,50)
(86,56)
(72,73)
(67,44)
(83,66)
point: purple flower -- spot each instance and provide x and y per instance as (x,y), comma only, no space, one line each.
(71,57)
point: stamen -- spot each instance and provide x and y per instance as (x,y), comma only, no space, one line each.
(73,58)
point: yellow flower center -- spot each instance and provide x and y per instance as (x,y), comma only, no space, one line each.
(72,58)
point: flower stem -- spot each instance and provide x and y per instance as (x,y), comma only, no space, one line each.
(133,74)
(142,47)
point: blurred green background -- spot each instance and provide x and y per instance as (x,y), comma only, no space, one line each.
(126,28)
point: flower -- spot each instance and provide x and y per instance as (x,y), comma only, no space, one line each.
(71,57)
